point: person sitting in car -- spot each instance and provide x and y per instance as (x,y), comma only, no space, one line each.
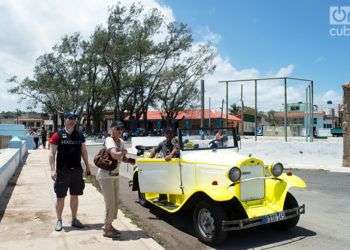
(169,147)
(219,138)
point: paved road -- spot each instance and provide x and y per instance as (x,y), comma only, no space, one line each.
(326,224)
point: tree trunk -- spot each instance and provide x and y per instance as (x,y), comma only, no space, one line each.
(62,120)
(88,118)
(55,121)
(346,126)
(145,120)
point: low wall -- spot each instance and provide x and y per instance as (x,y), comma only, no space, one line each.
(9,161)
(17,130)
(276,131)
(4,139)
(16,142)
(296,153)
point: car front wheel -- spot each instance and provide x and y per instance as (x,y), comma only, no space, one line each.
(207,220)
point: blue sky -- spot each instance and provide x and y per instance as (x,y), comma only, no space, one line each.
(268,34)
(252,39)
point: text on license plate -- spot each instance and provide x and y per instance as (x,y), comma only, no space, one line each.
(273,218)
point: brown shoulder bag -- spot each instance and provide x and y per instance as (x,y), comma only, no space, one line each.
(104,160)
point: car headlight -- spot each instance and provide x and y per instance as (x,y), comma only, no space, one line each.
(234,174)
(277,169)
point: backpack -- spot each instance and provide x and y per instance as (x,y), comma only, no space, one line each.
(104,160)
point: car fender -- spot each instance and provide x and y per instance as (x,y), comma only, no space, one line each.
(223,192)
(293,181)
(277,188)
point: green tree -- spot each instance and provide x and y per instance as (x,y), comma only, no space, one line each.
(58,79)
(180,83)
(137,61)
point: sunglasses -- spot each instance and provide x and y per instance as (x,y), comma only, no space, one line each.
(71,118)
(119,129)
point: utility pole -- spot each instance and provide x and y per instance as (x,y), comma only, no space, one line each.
(285,110)
(256,107)
(312,110)
(346,125)
(242,111)
(226,104)
(209,123)
(307,110)
(222,111)
(202,103)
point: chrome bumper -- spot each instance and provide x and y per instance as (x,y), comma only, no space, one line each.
(262,220)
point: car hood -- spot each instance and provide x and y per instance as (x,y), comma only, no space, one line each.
(229,157)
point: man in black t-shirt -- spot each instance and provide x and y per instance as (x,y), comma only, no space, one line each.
(67,149)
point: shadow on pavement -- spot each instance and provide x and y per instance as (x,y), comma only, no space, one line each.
(131,235)
(181,220)
(97,226)
(265,236)
(6,195)
(125,235)
(246,239)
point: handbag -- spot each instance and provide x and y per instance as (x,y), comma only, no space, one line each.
(104,160)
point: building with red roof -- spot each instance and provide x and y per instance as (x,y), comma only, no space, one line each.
(190,119)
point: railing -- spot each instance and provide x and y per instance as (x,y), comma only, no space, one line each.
(4,139)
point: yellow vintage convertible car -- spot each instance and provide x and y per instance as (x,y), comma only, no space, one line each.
(223,189)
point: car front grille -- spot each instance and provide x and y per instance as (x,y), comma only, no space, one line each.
(252,183)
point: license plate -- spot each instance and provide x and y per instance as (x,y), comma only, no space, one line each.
(273,218)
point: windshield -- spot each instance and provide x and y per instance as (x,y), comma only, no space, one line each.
(197,139)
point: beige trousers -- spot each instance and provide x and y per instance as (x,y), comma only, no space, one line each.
(110,191)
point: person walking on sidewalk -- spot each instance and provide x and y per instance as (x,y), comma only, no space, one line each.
(35,135)
(43,136)
(109,180)
(67,149)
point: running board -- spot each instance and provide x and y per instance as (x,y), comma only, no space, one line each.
(164,204)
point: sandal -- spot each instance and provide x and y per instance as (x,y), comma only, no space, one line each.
(110,233)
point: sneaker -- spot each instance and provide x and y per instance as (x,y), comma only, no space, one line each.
(76,223)
(116,231)
(58,226)
(111,233)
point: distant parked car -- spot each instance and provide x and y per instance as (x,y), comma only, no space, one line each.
(139,132)
(337,132)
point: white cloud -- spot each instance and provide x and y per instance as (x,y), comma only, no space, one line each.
(30,28)
(206,34)
(270,93)
(329,95)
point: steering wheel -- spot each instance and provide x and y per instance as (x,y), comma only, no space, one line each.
(213,144)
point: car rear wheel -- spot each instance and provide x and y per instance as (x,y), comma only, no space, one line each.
(207,221)
(289,203)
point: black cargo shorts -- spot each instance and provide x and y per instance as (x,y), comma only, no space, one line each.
(71,178)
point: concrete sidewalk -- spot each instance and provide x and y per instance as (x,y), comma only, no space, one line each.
(29,218)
